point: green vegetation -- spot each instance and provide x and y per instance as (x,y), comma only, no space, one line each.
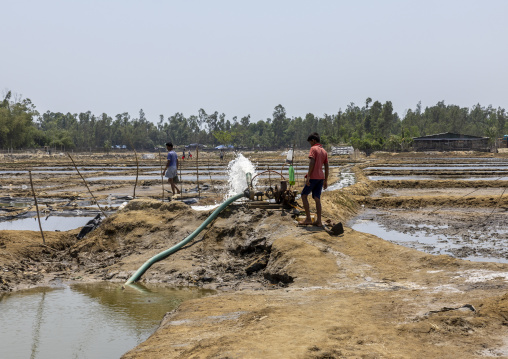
(371,127)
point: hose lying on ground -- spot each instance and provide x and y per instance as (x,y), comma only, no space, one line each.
(176,247)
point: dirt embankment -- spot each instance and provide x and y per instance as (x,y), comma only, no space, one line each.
(348,296)
(284,291)
(451,193)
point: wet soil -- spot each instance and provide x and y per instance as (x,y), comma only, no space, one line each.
(476,234)
(286,291)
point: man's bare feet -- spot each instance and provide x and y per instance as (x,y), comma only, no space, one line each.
(306,222)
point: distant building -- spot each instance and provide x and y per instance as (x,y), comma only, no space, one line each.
(451,142)
(502,142)
(194,146)
(342,150)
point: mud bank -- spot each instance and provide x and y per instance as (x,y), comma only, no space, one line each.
(350,296)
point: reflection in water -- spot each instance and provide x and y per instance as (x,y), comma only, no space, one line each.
(37,327)
(84,320)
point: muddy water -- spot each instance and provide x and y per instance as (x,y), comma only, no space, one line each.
(474,234)
(85,320)
(346,178)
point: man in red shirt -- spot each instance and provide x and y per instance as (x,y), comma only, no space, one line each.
(315,179)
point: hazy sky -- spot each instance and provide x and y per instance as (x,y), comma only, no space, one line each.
(246,57)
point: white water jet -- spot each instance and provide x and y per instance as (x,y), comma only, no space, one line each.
(237,171)
(237,179)
(205,208)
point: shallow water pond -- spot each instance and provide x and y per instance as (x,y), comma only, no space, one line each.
(435,167)
(52,223)
(460,238)
(84,320)
(436,177)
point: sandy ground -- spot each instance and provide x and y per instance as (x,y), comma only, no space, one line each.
(285,291)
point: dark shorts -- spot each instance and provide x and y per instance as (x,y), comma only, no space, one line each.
(316,186)
(171,172)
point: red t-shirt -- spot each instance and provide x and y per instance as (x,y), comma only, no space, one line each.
(320,157)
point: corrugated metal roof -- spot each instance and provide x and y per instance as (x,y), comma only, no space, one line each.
(449,136)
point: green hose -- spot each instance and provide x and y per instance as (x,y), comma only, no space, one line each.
(176,247)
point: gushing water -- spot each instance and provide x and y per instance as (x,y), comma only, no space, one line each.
(237,171)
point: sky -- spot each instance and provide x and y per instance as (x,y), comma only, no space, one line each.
(246,57)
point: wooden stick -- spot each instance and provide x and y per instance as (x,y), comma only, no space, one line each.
(210,175)
(293,161)
(86,185)
(37,208)
(137,174)
(162,174)
(197,169)
(269,177)
(181,184)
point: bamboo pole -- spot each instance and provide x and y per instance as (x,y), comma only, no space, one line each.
(296,172)
(197,169)
(269,177)
(37,328)
(86,185)
(137,174)
(36,207)
(162,174)
(212,189)
(293,162)
(181,184)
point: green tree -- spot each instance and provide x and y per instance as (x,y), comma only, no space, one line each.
(223,137)
(280,126)
(17,128)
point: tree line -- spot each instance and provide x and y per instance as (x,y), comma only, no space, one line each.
(373,126)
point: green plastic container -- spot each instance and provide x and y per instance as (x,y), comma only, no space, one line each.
(291,176)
